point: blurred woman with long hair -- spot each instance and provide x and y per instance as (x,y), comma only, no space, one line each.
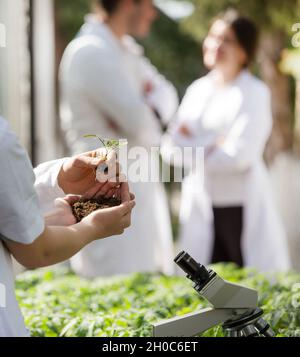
(231,217)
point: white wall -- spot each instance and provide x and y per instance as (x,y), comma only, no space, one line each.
(14,68)
(15,74)
(44,58)
(285,176)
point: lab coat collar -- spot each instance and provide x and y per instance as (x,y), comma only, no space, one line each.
(92,26)
(243,75)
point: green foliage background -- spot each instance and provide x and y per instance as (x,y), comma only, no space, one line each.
(270,15)
(58,303)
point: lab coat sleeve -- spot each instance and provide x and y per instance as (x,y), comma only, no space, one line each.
(195,95)
(246,140)
(244,143)
(163,97)
(20,217)
(101,76)
(174,148)
(46,184)
(173,141)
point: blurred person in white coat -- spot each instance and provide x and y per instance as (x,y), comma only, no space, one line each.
(109,88)
(231,217)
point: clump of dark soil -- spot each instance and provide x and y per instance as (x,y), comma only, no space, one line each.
(84,207)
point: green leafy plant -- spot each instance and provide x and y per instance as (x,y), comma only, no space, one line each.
(108,144)
(59,303)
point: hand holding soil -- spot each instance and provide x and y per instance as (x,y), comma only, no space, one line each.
(93,182)
(84,207)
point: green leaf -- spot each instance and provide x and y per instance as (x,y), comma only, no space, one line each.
(58,303)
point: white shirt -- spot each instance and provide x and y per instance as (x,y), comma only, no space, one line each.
(20,217)
(46,184)
(241,113)
(20,221)
(102,81)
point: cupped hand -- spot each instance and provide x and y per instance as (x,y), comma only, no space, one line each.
(78,174)
(62,214)
(110,221)
(113,221)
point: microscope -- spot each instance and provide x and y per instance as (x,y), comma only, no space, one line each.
(233,305)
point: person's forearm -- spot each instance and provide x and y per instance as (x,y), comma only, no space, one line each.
(61,243)
(55,245)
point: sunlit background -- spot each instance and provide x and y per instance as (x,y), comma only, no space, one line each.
(37,32)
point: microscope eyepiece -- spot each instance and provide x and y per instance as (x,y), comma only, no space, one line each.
(195,271)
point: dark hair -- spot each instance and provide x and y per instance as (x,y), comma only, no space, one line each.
(110,5)
(245,30)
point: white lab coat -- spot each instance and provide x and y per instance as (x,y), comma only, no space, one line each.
(234,174)
(20,220)
(46,185)
(102,81)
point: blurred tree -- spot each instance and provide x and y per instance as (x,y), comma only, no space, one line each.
(275,18)
(290,64)
(174,52)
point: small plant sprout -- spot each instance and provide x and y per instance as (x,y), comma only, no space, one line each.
(108,144)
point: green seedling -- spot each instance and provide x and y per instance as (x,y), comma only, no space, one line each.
(108,144)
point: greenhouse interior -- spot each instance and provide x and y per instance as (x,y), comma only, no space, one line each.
(150,154)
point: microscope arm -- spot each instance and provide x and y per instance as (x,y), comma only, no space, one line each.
(194,323)
(225,295)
